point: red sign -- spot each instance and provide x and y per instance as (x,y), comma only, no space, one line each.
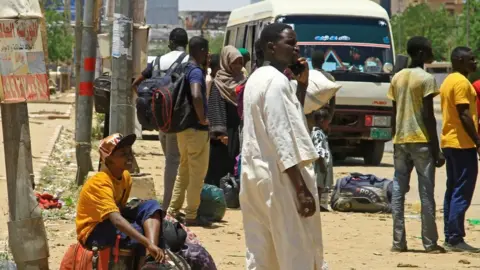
(25,87)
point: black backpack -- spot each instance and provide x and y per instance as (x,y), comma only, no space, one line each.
(101,90)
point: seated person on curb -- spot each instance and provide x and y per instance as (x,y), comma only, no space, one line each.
(102,210)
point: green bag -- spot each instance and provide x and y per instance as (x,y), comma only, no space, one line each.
(213,205)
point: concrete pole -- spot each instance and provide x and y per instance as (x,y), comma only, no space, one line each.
(121,96)
(140,49)
(78,47)
(27,237)
(84,111)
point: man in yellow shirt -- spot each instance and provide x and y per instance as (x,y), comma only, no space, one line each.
(415,143)
(461,144)
(102,209)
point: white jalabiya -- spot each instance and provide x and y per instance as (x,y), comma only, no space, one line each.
(275,138)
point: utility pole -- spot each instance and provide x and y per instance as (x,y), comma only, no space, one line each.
(78,47)
(27,237)
(121,95)
(83,124)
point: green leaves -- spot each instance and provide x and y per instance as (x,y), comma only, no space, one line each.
(59,37)
(446,31)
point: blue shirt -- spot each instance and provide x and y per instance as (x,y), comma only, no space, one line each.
(196,75)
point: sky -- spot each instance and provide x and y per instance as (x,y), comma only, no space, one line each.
(211,5)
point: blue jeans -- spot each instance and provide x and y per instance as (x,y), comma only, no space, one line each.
(462,169)
(105,234)
(406,157)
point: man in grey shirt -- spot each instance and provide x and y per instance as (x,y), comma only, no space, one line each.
(178,44)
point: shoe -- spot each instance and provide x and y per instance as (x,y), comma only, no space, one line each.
(462,247)
(399,250)
(198,222)
(436,250)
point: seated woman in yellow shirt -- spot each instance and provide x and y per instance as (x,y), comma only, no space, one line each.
(102,211)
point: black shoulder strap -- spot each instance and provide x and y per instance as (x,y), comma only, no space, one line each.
(178,61)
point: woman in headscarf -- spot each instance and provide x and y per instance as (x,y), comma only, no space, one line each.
(223,116)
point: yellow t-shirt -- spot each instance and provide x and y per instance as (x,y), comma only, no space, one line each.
(101,195)
(408,89)
(456,89)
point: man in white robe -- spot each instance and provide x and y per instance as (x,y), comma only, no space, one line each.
(278,196)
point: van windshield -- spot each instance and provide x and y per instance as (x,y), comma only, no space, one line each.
(358,44)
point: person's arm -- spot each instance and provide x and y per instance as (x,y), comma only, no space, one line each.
(467,122)
(430,121)
(124,226)
(196,79)
(391,96)
(146,74)
(217,114)
(321,164)
(462,102)
(302,82)
(393,121)
(138,80)
(331,108)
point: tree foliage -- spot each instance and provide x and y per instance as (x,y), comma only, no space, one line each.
(59,37)
(446,31)
(215,43)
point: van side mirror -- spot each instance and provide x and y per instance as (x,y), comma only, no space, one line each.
(401,62)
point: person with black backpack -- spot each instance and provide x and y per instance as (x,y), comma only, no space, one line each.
(178,44)
(193,139)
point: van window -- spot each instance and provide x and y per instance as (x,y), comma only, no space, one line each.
(240,40)
(227,38)
(231,36)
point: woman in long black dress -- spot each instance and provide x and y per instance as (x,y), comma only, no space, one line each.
(223,116)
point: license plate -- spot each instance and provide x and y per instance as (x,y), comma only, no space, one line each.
(381,133)
(381,121)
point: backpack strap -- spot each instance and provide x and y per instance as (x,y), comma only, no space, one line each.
(176,63)
(156,67)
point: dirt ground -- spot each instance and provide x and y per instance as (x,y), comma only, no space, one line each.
(351,241)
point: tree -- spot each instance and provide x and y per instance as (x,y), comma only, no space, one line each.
(420,20)
(215,43)
(59,37)
(444,30)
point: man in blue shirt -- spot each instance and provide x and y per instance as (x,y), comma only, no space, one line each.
(178,45)
(194,142)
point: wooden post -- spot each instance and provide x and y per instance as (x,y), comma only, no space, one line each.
(26,231)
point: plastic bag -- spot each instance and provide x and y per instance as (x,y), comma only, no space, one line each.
(319,92)
(213,205)
(231,188)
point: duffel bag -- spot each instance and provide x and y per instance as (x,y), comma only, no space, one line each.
(197,257)
(212,204)
(362,193)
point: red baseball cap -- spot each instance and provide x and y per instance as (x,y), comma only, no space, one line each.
(113,142)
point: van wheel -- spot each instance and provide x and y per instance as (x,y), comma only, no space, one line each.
(373,152)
